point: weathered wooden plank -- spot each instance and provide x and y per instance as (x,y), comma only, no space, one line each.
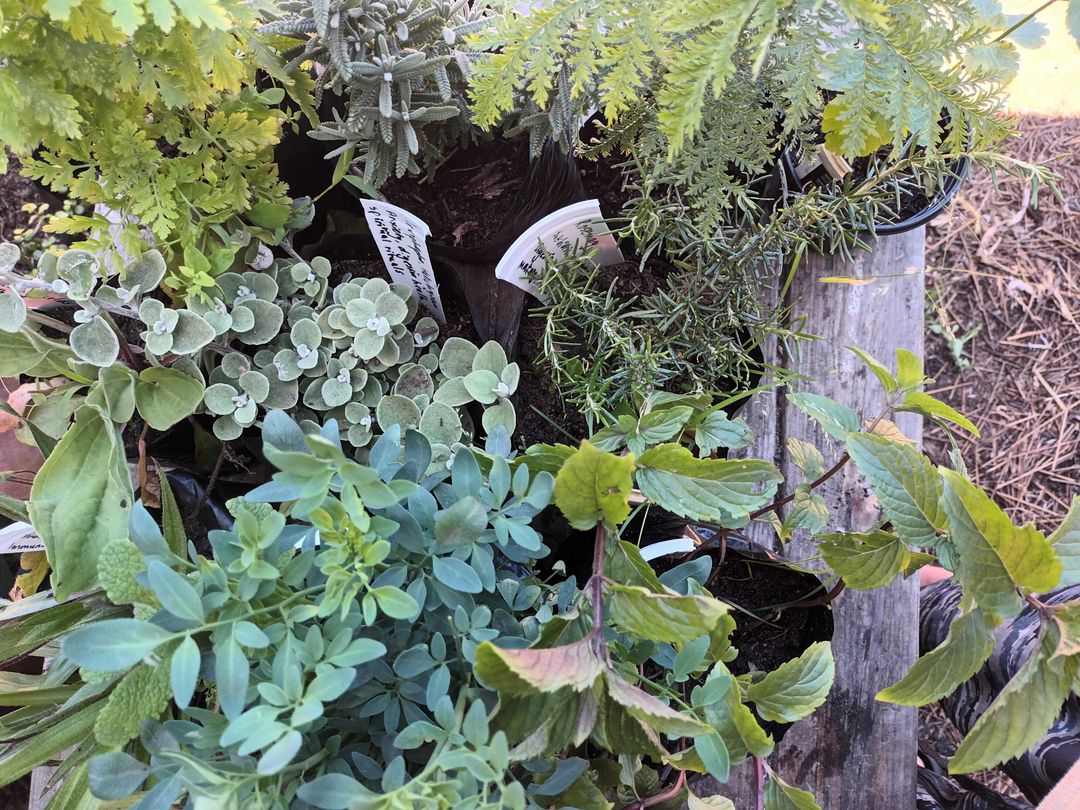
(854,753)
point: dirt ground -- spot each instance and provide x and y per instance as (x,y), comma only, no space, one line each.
(1003,340)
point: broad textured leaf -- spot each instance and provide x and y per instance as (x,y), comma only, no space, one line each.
(531,670)
(864,561)
(835,419)
(1066,542)
(80,500)
(164,396)
(650,710)
(1021,713)
(885,377)
(795,688)
(734,722)
(994,557)
(663,617)
(939,672)
(779,795)
(721,490)
(716,429)
(593,485)
(95,342)
(905,483)
(918,402)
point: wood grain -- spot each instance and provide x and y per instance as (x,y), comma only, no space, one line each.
(854,753)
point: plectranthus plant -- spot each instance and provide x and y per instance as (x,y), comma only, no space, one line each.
(402,69)
(360,354)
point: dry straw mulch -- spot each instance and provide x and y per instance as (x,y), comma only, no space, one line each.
(1006,274)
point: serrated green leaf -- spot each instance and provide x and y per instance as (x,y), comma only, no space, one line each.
(1021,713)
(779,795)
(885,377)
(795,688)
(594,486)
(715,802)
(733,720)
(994,557)
(650,710)
(808,511)
(531,670)
(835,419)
(721,490)
(663,617)
(715,430)
(939,672)
(1066,542)
(864,561)
(806,457)
(926,405)
(905,484)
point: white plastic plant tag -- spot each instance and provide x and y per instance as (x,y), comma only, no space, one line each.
(677,545)
(562,233)
(400,237)
(19,537)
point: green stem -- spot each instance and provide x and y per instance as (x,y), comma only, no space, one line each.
(1021,21)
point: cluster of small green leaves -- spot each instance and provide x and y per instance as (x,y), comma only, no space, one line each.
(324,652)
(356,353)
(148,109)
(402,67)
(696,333)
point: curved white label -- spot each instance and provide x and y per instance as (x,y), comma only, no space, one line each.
(401,239)
(562,233)
(19,537)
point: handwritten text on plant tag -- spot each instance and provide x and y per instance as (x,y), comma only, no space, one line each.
(400,237)
(19,537)
(563,233)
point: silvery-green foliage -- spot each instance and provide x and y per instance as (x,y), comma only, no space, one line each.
(360,353)
(402,68)
(336,636)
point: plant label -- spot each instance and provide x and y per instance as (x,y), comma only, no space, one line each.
(562,233)
(19,537)
(401,238)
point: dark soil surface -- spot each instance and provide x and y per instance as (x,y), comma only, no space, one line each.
(470,194)
(768,633)
(15,192)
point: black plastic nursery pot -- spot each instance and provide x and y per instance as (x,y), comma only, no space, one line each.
(925,214)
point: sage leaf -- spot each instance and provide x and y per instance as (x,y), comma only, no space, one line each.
(80,500)
(113,644)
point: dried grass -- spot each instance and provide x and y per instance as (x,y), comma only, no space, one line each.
(999,264)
